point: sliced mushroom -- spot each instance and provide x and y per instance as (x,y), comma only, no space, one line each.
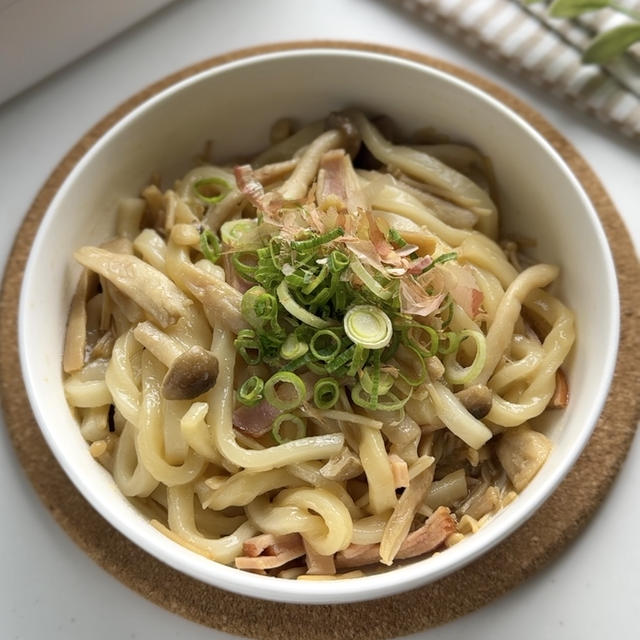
(560,398)
(522,452)
(343,466)
(156,294)
(477,400)
(76,335)
(352,138)
(190,375)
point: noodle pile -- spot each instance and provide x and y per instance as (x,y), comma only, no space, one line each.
(321,361)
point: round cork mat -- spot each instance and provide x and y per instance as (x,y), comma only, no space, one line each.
(532,546)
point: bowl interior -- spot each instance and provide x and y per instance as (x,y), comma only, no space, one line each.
(234,106)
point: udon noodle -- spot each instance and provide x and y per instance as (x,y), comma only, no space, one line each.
(321,361)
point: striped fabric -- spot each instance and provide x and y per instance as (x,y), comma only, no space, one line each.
(546,50)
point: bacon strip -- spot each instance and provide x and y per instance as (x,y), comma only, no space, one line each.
(317,564)
(255,421)
(428,537)
(400,471)
(284,549)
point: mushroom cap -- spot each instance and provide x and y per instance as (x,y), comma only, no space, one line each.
(190,374)
(477,400)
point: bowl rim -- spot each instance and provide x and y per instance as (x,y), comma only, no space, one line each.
(401,578)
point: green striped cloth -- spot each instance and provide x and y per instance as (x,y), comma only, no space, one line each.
(547,50)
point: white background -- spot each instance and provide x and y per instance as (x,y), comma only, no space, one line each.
(48,587)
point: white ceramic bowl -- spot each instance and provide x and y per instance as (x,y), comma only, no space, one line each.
(234,105)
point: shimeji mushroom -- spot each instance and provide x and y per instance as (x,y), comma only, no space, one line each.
(191,371)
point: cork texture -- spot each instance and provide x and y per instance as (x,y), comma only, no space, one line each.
(531,547)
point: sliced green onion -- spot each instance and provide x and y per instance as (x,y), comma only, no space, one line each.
(368,326)
(385,381)
(389,402)
(453,342)
(293,348)
(325,345)
(396,238)
(444,257)
(210,245)
(301,429)
(316,241)
(420,355)
(369,281)
(316,281)
(250,393)
(220,186)
(234,233)
(290,380)
(338,261)
(246,271)
(360,355)
(434,339)
(260,308)
(284,296)
(454,372)
(325,393)
(343,359)
(248,346)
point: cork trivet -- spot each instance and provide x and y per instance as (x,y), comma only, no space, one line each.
(532,546)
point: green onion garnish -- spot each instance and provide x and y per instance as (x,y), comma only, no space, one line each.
(325,393)
(317,240)
(325,345)
(293,348)
(389,402)
(301,429)
(385,380)
(297,311)
(260,309)
(292,382)
(368,326)
(453,342)
(445,257)
(338,261)
(244,269)
(234,233)
(211,190)
(397,239)
(210,245)
(456,374)
(250,393)
(248,347)
(369,281)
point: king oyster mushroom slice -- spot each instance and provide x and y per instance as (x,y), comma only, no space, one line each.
(156,294)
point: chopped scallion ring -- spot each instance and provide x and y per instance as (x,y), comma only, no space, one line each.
(210,245)
(284,296)
(248,347)
(317,240)
(211,190)
(454,372)
(325,345)
(250,393)
(295,390)
(234,233)
(369,281)
(301,429)
(368,326)
(325,393)
(293,348)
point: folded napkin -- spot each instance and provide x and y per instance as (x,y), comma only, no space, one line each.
(547,50)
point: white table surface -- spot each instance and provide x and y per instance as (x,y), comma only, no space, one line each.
(48,587)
